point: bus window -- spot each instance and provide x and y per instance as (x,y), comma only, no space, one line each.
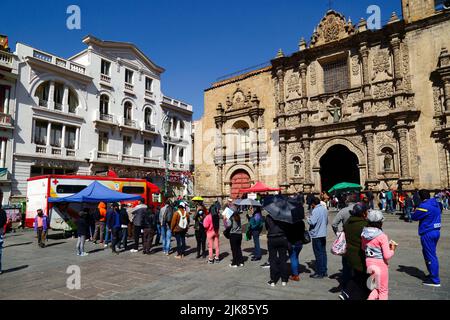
(133,190)
(69,188)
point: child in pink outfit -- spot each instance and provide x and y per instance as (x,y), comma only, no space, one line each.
(378,251)
(213,238)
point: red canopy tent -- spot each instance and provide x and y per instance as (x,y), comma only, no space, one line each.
(258,188)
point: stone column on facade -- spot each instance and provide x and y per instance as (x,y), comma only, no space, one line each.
(220,179)
(63,139)
(396,51)
(364,52)
(303,70)
(371,169)
(283,161)
(447,93)
(402,132)
(77,138)
(3,154)
(307,150)
(254,144)
(6,101)
(51,94)
(65,101)
(49,131)
(280,97)
(443,157)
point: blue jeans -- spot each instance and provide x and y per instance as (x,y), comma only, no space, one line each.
(124,236)
(166,235)
(408,213)
(181,242)
(383,204)
(320,252)
(158,234)
(107,236)
(390,205)
(257,251)
(1,248)
(295,261)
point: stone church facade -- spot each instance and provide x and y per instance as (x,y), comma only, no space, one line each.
(372,106)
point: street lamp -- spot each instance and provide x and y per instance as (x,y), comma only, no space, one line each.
(166,127)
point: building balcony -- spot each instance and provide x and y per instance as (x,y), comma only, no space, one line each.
(119,158)
(6,59)
(178,105)
(55,151)
(106,119)
(59,62)
(6,120)
(149,129)
(129,88)
(105,78)
(149,95)
(128,124)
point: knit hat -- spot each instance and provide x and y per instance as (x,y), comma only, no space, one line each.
(375,216)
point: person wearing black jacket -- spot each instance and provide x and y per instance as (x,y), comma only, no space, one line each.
(124,222)
(278,251)
(200,232)
(3,220)
(83,232)
(149,227)
(113,224)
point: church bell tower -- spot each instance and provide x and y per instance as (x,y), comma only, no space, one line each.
(414,10)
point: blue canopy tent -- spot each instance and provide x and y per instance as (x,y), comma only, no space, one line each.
(96,192)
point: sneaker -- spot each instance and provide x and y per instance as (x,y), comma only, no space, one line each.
(271,283)
(232,265)
(216,260)
(430,283)
(84,254)
(167,254)
(265,265)
(344,296)
(105,246)
(210,261)
(241,265)
(284,284)
(78,254)
(316,276)
(294,278)
(133,250)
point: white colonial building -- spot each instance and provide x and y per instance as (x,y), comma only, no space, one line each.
(8,76)
(100,110)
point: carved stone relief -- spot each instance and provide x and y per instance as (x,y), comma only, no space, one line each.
(381,64)
(312,70)
(293,87)
(333,27)
(292,121)
(383,90)
(355,65)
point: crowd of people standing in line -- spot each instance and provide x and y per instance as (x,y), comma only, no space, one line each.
(367,253)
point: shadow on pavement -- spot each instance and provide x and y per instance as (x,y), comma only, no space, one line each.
(53,244)
(95,250)
(250,250)
(412,271)
(223,255)
(18,244)
(15,269)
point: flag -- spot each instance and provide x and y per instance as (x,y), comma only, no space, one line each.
(4,42)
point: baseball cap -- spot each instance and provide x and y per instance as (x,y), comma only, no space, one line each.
(375,216)
(182,204)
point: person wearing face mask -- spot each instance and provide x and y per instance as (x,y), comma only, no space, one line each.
(40,227)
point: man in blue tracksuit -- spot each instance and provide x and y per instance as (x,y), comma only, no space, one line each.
(428,213)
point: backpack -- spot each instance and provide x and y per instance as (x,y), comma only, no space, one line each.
(182,223)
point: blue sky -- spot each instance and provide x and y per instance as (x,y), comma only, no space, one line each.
(196,41)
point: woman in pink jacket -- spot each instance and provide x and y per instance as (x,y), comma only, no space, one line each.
(211,223)
(378,250)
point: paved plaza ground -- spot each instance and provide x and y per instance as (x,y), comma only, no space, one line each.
(34,273)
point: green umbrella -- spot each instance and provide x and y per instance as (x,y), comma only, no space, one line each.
(345,186)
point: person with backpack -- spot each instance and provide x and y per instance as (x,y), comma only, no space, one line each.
(83,232)
(124,222)
(200,232)
(211,223)
(138,213)
(165,218)
(378,250)
(149,227)
(3,220)
(255,224)
(100,222)
(179,227)
(234,223)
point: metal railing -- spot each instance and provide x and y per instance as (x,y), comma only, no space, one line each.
(129,123)
(107,117)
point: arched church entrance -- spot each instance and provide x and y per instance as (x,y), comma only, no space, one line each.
(239,180)
(337,165)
